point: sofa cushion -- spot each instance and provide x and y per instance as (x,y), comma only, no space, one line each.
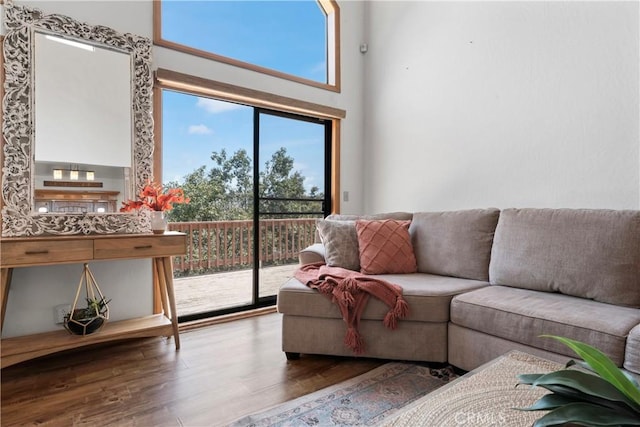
(522,315)
(428,297)
(340,242)
(588,253)
(632,355)
(385,247)
(456,243)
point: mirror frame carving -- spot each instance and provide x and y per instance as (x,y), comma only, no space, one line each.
(18,217)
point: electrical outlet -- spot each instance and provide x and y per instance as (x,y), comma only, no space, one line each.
(60,311)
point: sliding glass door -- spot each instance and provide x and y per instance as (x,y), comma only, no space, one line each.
(257,180)
(291,165)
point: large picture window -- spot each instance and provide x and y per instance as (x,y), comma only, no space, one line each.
(295,40)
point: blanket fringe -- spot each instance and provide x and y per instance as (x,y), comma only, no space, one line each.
(402,308)
(354,341)
(399,311)
(346,291)
(325,288)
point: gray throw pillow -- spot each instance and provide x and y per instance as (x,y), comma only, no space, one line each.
(340,241)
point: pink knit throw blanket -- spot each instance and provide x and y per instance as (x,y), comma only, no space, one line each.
(350,290)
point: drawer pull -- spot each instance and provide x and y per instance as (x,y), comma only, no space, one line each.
(143,247)
(44,251)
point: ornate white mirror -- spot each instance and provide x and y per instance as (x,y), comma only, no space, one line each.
(77,123)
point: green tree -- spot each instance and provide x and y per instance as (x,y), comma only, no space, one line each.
(233,176)
(226,191)
(199,208)
(278,180)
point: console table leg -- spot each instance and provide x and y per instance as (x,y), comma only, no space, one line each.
(168,269)
(161,285)
(4,292)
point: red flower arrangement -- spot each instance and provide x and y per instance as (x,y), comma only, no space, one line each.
(154,198)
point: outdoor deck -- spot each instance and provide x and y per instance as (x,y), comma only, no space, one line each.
(229,245)
(197,294)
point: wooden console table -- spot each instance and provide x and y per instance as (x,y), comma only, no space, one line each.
(52,250)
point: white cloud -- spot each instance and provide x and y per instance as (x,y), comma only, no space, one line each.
(319,69)
(214,106)
(199,130)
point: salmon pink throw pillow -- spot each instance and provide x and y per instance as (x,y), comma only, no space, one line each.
(385,247)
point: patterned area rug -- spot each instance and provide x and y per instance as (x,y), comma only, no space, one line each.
(485,397)
(364,400)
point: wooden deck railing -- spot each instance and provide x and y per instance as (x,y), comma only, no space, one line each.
(228,245)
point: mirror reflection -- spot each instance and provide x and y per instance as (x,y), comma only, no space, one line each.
(80,188)
(83,125)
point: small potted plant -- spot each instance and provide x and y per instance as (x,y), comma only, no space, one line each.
(87,320)
(157,200)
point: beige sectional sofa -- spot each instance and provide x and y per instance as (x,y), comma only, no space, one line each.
(487,281)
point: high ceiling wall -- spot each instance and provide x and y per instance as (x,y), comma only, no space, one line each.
(505,104)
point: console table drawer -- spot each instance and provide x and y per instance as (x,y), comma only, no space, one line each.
(41,253)
(141,247)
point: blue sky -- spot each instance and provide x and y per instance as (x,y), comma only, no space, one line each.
(283,35)
(194,127)
(288,36)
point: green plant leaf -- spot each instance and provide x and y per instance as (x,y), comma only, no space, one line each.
(586,414)
(547,402)
(601,364)
(528,378)
(583,382)
(573,394)
(578,396)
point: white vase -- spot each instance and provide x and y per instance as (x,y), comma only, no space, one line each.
(158,222)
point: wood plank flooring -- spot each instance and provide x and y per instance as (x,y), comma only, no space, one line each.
(221,373)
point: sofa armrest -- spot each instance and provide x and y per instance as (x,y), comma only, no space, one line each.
(312,254)
(632,353)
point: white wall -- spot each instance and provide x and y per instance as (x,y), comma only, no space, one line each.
(35,291)
(505,104)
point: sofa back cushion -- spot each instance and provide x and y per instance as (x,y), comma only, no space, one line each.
(401,216)
(589,253)
(455,243)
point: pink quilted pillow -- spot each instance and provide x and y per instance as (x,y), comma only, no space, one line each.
(385,247)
